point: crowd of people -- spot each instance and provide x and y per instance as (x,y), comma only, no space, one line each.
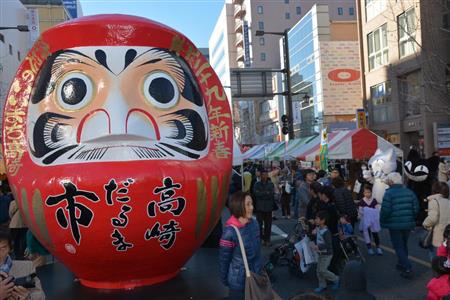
(335,209)
(20,253)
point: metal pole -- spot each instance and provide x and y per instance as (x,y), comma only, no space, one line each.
(287,69)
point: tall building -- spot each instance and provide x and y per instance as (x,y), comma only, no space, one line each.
(13,44)
(406,67)
(239,21)
(325,72)
(44,14)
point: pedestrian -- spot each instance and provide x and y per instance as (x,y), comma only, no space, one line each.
(6,198)
(286,194)
(439,287)
(369,212)
(444,248)
(232,270)
(398,214)
(303,195)
(18,231)
(264,193)
(324,248)
(438,214)
(442,170)
(354,283)
(314,203)
(344,200)
(326,203)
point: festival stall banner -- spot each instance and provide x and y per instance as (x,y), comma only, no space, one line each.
(117,140)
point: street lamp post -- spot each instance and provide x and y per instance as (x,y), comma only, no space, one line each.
(22,28)
(287,70)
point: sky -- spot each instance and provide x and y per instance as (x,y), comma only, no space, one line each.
(194,18)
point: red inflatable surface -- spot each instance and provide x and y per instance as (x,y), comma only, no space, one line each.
(117,139)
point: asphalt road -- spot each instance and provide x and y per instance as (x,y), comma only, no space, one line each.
(384,280)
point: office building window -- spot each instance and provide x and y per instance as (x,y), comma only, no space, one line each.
(374,8)
(2,38)
(259,10)
(410,93)
(340,11)
(263,56)
(351,11)
(377,46)
(380,96)
(10,50)
(262,41)
(298,9)
(287,16)
(286,1)
(261,25)
(406,32)
(18,56)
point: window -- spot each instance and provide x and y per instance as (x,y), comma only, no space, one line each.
(10,50)
(262,41)
(2,38)
(351,11)
(287,16)
(410,93)
(261,25)
(380,97)
(406,32)
(298,9)
(377,47)
(263,56)
(340,11)
(18,56)
(286,1)
(374,8)
(259,10)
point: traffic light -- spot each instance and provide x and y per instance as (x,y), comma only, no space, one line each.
(285,124)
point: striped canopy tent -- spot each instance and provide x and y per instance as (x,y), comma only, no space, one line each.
(283,151)
(359,144)
(260,152)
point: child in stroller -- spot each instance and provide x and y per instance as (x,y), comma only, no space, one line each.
(287,254)
(348,241)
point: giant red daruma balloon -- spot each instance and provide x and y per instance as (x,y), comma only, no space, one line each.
(117,138)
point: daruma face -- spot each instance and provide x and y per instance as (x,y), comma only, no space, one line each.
(116,103)
(117,140)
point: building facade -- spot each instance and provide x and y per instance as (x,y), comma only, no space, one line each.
(258,121)
(13,44)
(325,72)
(405,61)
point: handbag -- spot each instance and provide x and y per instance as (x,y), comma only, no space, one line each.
(426,240)
(257,287)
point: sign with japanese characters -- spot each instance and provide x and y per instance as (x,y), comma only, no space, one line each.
(117,141)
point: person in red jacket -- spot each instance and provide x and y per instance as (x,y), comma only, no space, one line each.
(439,287)
(444,248)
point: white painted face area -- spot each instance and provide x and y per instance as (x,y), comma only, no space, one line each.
(118,103)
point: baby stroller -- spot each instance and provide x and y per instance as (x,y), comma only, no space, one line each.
(287,254)
(350,248)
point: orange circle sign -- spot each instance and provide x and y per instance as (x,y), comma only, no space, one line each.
(344,75)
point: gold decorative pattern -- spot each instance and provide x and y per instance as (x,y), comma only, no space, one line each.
(39,215)
(201,207)
(25,212)
(214,196)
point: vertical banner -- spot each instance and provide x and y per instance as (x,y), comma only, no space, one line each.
(71,8)
(361,121)
(246,45)
(323,154)
(33,25)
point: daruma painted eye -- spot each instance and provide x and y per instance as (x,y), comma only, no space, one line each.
(161,90)
(74,91)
